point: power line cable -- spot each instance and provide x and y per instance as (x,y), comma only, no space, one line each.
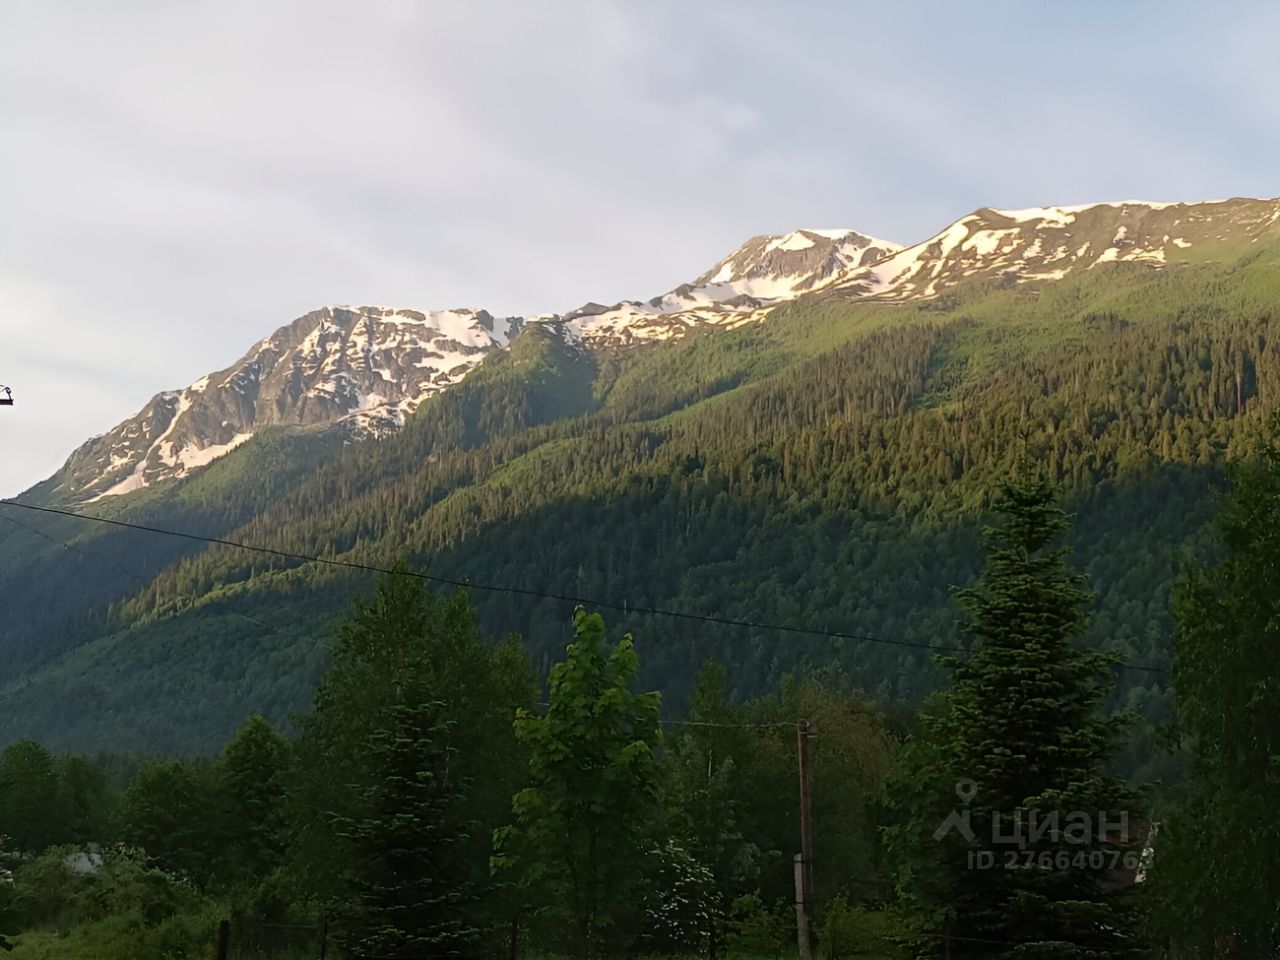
(144,581)
(522,591)
(710,723)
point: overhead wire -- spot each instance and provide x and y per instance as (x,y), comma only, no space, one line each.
(627,608)
(711,723)
(85,555)
(523,592)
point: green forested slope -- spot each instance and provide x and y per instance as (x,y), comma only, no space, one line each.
(826,468)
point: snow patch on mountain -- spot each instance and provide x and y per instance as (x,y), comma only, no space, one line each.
(742,288)
(791,241)
(1043,244)
(361,368)
(191,456)
(134,481)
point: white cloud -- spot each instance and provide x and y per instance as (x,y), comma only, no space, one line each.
(179,179)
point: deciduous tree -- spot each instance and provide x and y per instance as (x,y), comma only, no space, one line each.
(580,837)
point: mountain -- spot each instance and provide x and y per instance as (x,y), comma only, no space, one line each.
(761,274)
(807,434)
(1017,246)
(362,370)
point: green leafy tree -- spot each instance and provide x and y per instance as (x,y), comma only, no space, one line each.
(123,909)
(580,836)
(47,888)
(251,774)
(89,798)
(168,809)
(129,884)
(8,915)
(704,789)
(1020,734)
(849,756)
(32,802)
(1216,867)
(681,912)
(410,890)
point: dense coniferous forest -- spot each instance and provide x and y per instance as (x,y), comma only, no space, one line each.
(669,556)
(825,469)
(437,799)
(453,509)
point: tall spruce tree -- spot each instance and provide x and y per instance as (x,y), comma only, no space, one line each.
(1019,739)
(1216,869)
(404,638)
(408,885)
(579,841)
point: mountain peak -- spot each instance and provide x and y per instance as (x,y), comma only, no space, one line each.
(774,267)
(758,275)
(363,368)
(1046,243)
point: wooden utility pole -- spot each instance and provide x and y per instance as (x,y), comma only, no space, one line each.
(802,913)
(804,859)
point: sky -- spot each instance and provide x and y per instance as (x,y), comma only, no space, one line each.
(178,179)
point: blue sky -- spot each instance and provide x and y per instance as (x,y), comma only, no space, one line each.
(177,180)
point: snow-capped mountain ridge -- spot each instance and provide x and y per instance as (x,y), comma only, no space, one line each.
(366,368)
(363,369)
(741,288)
(1046,243)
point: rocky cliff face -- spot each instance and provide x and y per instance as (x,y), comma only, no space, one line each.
(362,369)
(1047,243)
(743,287)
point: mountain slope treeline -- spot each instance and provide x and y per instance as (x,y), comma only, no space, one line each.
(825,468)
(437,800)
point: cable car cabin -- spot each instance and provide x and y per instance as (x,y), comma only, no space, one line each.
(7,399)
